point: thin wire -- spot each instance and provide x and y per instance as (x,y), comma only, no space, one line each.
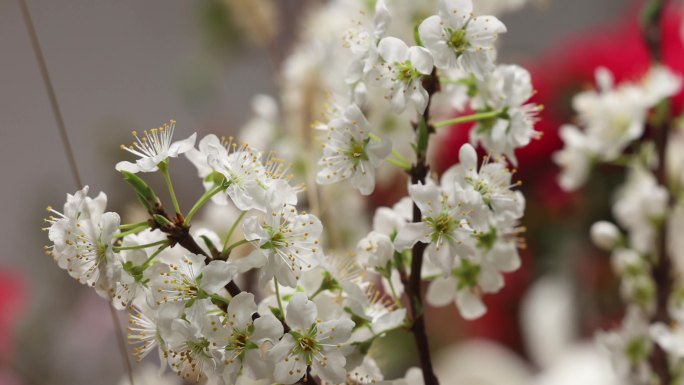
(51,92)
(47,82)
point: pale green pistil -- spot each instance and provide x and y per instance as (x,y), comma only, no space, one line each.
(442,226)
(636,350)
(406,73)
(357,151)
(458,41)
(482,187)
(307,346)
(467,274)
(199,347)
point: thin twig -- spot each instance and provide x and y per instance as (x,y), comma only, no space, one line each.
(66,143)
(418,174)
(661,273)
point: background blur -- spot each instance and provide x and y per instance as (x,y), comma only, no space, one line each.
(122,65)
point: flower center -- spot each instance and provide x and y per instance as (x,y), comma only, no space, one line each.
(307,346)
(458,41)
(406,73)
(467,274)
(442,226)
(357,151)
(198,347)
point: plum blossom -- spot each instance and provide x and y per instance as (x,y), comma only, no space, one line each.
(83,238)
(400,74)
(153,147)
(350,152)
(310,343)
(456,38)
(287,243)
(507,89)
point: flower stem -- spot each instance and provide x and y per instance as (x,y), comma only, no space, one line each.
(129,226)
(277,293)
(202,201)
(468,118)
(662,269)
(164,167)
(232,230)
(226,252)
(140,247)
(134,230)
(149,260)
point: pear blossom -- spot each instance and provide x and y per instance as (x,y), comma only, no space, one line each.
(153,147)
(310,343)
(457,38)
(350,153)
(400,73)
(287,243)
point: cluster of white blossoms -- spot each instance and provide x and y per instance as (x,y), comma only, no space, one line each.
(621,124)
(279,294)
(612,118)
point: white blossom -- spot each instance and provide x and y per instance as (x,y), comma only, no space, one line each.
(401,72)
(310,343)
(350,153)
(83,238)
(286,241)
(154,147)
(457,38)
(507,88)
(444,226)
(362,41)
(189,278)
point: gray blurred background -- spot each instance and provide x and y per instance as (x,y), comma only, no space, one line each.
(129,65)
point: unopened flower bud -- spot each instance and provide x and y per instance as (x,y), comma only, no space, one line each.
(605,235)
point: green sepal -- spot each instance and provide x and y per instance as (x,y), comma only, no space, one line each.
(144,192)
(161,220)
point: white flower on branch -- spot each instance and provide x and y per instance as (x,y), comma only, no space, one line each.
(83,237)
(244,342)
(401,72)
(507,89)
(351,153)
(287,242)
(153,147)
(630,346)
(444,226)
(362,41)
(189,278)
(310,343)
(456,38)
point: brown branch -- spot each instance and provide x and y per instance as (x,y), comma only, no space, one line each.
(418,174)
(661,272)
